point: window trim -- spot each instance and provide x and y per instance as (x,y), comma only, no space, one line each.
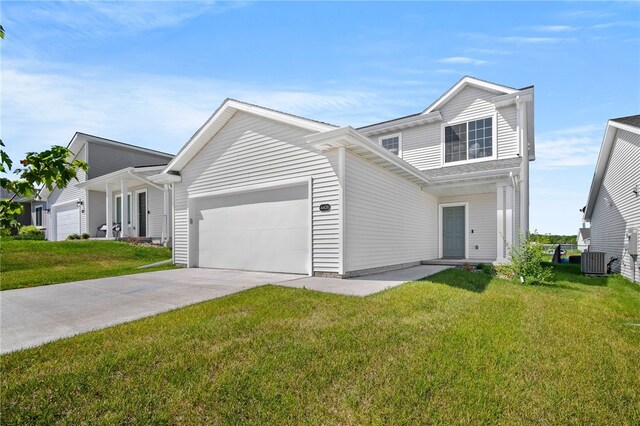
(494,140)
(116,210)
(36,216)
(393,135)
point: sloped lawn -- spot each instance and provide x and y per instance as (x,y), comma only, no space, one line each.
(35,263)
(460,348)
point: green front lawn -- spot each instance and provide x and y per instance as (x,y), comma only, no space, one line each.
(460,348)
(34,263)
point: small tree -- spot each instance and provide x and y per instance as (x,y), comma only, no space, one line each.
(49,169)
(526,262)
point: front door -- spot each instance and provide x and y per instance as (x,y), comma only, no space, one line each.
(453,232)
(142,214)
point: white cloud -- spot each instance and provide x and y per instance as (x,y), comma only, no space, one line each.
(45,108)
(532,40)
(570,147)
(462,60)
(554,28)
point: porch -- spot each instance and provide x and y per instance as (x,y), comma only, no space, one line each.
(144,212)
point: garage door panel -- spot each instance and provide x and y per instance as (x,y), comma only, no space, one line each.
(66,220)
(263,231)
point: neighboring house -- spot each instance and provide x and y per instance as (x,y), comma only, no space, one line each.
(95,199)
(258,189)
(584,236)
(33,212)
(613,206)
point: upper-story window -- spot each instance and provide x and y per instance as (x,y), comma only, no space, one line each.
(392,143)
(468,141)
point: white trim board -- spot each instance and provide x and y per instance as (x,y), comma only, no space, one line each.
(466,226)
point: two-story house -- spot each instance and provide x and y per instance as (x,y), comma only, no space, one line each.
(258,189)
(95,198)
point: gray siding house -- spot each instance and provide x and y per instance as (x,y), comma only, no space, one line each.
(259,189)
(613,206)
(95,199)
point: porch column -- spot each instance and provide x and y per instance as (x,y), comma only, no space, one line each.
(124,207)
(500,224)
(165,225)
(508,219)
(109,204)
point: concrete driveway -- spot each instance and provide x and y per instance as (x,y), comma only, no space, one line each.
(33,316)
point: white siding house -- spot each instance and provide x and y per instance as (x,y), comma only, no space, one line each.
(94,198)
(259,189)
(613,206)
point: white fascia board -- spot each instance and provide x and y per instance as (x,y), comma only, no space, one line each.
(165,178)
(464,82)
(349,138)
(498,173)
(525,95)
(222,115)
(623,126)
(401,123)
(601,165)
(105,178)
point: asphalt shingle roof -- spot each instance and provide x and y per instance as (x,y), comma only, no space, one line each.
(632,120)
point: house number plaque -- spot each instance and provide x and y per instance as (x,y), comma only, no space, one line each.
(325,207)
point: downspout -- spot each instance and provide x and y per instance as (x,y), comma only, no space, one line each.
(524,166)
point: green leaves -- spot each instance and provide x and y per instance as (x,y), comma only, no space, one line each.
(51,168)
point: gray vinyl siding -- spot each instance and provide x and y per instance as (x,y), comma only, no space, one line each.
(155,207)
(389,220)
(97,211)
(251,150)
(106,158)
(71,192)
(482,221)
(609,223)
(422,145)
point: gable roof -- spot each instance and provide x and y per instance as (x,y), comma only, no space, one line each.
(79,139)
(584,233)
(465,82)
(504,96)
(630,124)
(223,114)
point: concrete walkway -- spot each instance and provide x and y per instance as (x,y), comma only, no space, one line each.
(368,284)
(33,316)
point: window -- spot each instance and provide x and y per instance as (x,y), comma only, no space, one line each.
(392,143)
(39,216)
(118,214)
(468,141)
(118,209)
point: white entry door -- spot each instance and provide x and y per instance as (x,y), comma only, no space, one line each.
(67,220)
(266,230)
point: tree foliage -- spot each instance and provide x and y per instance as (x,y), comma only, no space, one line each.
(553,238)
(54,167)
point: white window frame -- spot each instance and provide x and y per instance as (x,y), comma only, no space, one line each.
(116,209)
(466,227)
(136,225)
(494,140)
(35,218)
(394,135)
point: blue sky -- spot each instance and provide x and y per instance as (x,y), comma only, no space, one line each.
(150,73)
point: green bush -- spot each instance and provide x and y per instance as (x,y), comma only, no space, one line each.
(526,262)
(30,233)
(487,269)
(85,236)
(73,237)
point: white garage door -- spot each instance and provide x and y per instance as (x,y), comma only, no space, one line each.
(265,230)
(66,220)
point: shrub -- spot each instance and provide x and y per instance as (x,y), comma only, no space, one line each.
(487,269)
(85,236)
(30,233)
(73,237)
(526,262)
